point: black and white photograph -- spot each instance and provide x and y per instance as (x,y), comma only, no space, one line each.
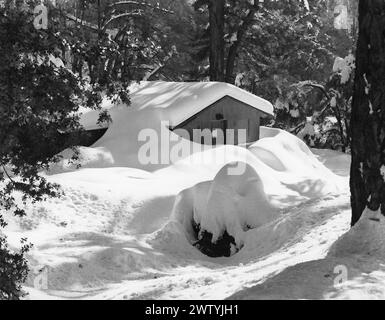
(211,151)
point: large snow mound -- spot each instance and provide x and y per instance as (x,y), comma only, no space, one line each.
(233,202)
(246,193)
(236,203)
(293,163)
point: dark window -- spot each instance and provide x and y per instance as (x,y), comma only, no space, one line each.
(219,116)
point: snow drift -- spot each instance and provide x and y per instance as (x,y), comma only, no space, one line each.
(366,237)
(277,167)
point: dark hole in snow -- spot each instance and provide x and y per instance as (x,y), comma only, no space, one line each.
(91,136)
(84,138)
(219,248)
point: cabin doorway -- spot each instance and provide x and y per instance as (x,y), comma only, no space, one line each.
(218,130)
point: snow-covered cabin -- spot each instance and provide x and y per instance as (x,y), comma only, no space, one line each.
(195,105)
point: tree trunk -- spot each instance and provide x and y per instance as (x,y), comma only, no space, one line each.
(368,112)
(230,62)
(233,51)
(217,43)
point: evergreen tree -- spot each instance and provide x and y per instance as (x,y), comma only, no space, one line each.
(39,100)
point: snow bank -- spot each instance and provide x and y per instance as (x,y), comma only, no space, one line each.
(365,238)
(155,107)
(127,140)
(284,144)
(279,166)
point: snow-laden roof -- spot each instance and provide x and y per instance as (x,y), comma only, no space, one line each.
(178,101)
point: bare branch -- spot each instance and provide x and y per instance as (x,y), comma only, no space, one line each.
(7,174)
(141,3)
(298,128)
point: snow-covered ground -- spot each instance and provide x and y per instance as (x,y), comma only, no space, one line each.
(115,233)
(123,230)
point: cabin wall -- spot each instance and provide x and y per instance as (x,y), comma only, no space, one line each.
(236,115)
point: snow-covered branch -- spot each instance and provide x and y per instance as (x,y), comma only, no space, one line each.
(122,15)
(314,85)
(89,25)
(141,3)
(161,65)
